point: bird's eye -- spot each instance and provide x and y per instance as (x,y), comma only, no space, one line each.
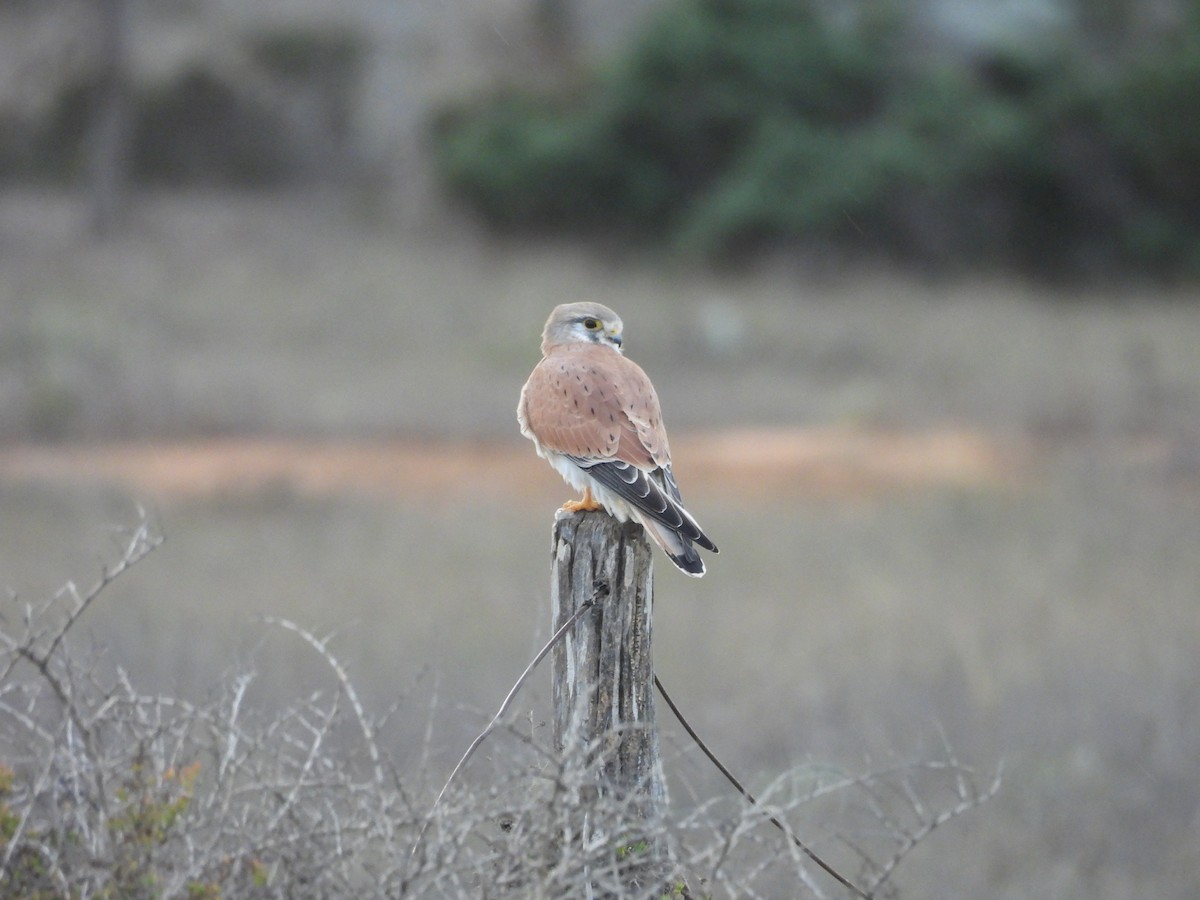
(591,324)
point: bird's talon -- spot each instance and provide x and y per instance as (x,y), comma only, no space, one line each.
(587,504)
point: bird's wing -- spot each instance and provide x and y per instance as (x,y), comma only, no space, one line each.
(645,492)
(599,409)
(574,403)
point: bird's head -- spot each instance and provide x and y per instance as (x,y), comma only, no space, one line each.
(574,323)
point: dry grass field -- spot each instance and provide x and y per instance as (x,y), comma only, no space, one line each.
(970,507)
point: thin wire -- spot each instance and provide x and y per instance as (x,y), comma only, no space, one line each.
(811,854)
(601,591)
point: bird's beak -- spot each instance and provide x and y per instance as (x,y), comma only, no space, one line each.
(615,338)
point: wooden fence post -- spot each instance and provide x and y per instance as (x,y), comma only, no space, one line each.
(604,671)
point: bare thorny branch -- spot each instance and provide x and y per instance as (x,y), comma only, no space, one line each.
(968,796)
(113,787)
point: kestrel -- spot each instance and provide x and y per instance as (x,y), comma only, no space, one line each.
(594,416)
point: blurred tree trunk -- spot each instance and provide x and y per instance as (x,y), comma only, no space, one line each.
(108,140)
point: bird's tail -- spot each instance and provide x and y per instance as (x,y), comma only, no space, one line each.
(678,549)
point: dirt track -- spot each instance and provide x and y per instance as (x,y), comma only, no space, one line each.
(758,462)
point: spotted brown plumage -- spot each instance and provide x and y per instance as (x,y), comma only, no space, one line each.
(595,417)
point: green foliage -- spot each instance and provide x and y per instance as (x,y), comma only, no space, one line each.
(493,156)
(27,874)
(149,809)
(145,826)
(10,822)
(1152,118)
(727,125)
(633,848)
(660,126)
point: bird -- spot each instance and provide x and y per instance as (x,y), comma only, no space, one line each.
(594,415)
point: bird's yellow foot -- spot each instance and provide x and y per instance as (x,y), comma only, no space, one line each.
(587,504)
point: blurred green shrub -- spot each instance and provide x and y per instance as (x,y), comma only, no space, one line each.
(728,125)
(663,124)
(1151,116)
